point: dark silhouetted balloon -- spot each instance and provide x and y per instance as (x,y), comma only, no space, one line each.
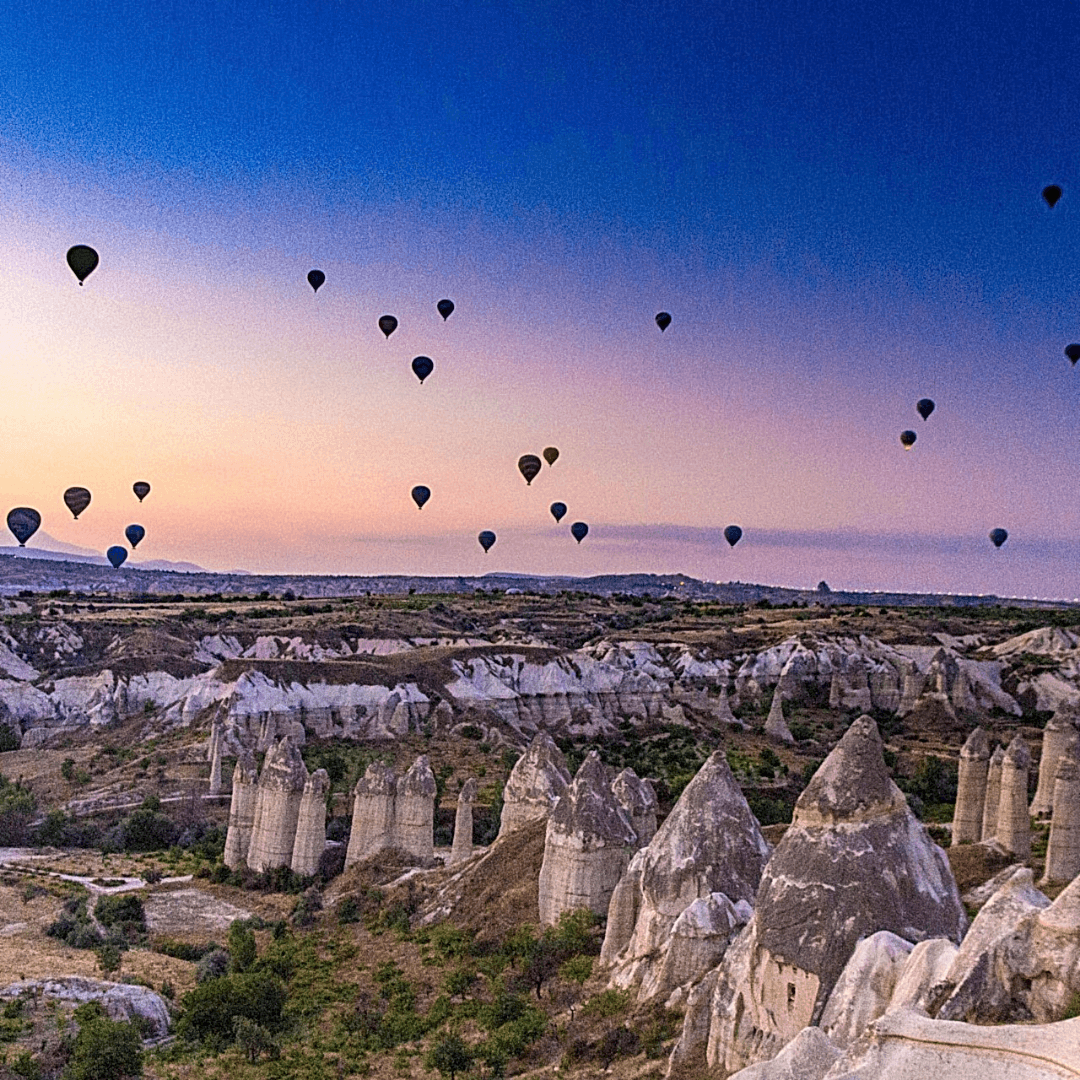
(733,534)
(23,523)
(579,530)
(387,324)
(422,367)
(141,489)
(134,534)
(924,407)
(420,495)
(486,538)
(1073,352)
(558,510)
(663,320)
(998,537)
(1051,194)
(315,279)
(529,466)
(116,555)
(551,454)
(76,499)
(82,260)
(446,308)
(907,438)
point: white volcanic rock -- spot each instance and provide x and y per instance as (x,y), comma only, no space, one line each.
(808,1056)
(213,648)
(277,807)
(971,789)
(414,811)
(775,725)
(463,823)
(245,793)
(854,861)
(122,1002)
(535,784)
(1046,641)
(992,801)
(1063,846)
(927,965)
(215,759)
(1013,831)
(310,841)
(709,844)
(587,847)
(638,800)
(373,814)
(1059,737)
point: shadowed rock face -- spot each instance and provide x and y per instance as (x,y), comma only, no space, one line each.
(463,822)
(277,807)
(971,789)
(241,810)
(993,794)
(535,783)
(638,800)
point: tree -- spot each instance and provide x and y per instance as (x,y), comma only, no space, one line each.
(576,970)
(252,1038)
(109,958)
(449,1054)
(242,948)
(106,1051)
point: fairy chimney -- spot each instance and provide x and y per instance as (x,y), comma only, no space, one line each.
(638,800)
(971,789)
(463,823)
(241,810)
(1013,823)
(535,784)
(1058,736)
(993,794)
(1063,847)
(373,814)
(414,811)
(776,725)
(277,807)
(311,825)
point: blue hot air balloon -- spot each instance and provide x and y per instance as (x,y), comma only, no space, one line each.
(420,495)
(558,510)
(315,279)
(733,534)
(387,324)
(486,538)
(422,367)
(907,439)
(924,407)
(579,530)
(141,489)
(663,320)
(23,522)
(529,466)
(998,537)
(116,555)
(134,534)
(446,308)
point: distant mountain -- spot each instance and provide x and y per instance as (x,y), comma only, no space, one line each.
(44,546)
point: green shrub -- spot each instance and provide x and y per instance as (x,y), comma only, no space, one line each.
(105,1050)
(241,945)
(209,1009)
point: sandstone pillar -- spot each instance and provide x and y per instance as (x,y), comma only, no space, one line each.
(311,825)
(373,814)
(414,811)
(1059,733)
(1063,848)
(971,789)
(277,807)
(723,708)
(993,794)
(776,725)
(241,810)
(215,759)
(638,800)
(535,784)
(1013,823)
(463,823)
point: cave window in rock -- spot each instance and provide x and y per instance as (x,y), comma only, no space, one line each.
(790,996)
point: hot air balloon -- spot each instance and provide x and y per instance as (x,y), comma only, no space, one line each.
(733,534)
(558,510)
(579,530)
(446,308)
(315,279)
(420,495)
(1051,193)
(141,489)
(486,538)
(23,522)
(998,537)
(422,367)
(134,534)
(924,407)
(116,555)
(907,438)
(387,324)
(663,320)
(529,466)
(82,260)
(1073,352)
(76,499)
(551,454)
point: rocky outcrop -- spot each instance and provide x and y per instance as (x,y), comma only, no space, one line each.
(245,793)
(971,789)
(587,847)
(775,724)
(373,814)
(277,807)
(535,784)
(463,823)
(638,800)
(1059,738)
(414,812)
(709,847)
(1063,846)
(310,841)
(854,861)
(1013,831)
(993,794)
(215,760)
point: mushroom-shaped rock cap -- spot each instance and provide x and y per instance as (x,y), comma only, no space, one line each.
(469,791)
(283,768)
(419,780)
(318,783)
(636,796)
(1017,755)
(589,809)
(853,783)
(977,746)
(378,779)
(245,771)
(997,757)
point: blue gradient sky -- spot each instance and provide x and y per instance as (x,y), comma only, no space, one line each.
(839,205)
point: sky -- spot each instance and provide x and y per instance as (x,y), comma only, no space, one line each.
(839,205)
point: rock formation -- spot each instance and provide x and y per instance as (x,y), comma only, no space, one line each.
(414,812)
(723,708)
(854,861)
(588,844)
(277,807)
(993,794)
(310,841)
(1063,847)
(215,760)
(241,810)
(775,724)
(709,852)
(373,814)
(1013,831)
(1059,737)
(535,783)
(638,800)
(971,789)
(463,823)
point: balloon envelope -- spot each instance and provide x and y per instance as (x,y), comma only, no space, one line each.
(76,499)
(387,324)
(134,534)
(907,438)
(558,510)
(1051,193)
(446,308)
(141,489)
(924,407)
(733,534)
(82,260)
(23,522)
(315,279)
(1073,352)
(486,538)
(420,495)
(579,530)
(116,555)
(998,537)
(551,454)
(663,320)
(422,367)
(529,466)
